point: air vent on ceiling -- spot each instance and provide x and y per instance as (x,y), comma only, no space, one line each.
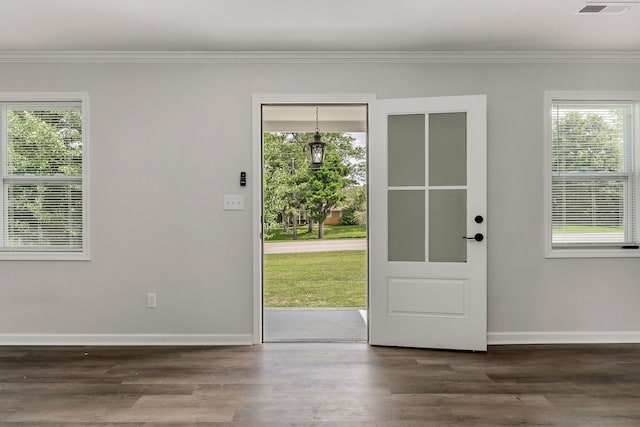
(606,7)
(592,8)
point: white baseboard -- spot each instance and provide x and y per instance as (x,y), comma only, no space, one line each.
(126,339)
(493,338)
(609,337)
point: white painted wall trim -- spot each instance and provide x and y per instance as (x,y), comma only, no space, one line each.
(126,339)
(588,95)
(286,57)
(569,337)
(87,141)
(494,338)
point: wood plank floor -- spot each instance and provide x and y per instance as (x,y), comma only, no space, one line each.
(320,385)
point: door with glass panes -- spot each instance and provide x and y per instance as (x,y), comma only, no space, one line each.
(428,245)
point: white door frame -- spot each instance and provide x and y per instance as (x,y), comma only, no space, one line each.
(258,100)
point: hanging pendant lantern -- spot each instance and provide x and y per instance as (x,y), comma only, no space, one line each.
(317,147)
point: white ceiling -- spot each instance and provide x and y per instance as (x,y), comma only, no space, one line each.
(313,25)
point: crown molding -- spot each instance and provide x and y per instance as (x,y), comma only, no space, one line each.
(311,57)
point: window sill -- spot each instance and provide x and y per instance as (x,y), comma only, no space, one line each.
(44,256)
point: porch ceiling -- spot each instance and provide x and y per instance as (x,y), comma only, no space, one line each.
(302,118)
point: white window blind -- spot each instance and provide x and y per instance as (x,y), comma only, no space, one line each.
(41,161)
(593,187)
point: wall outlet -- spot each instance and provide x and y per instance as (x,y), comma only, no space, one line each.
(152,300)
(233,202)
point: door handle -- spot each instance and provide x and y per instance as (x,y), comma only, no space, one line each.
(478,237)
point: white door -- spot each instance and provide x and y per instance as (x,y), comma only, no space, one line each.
(427,230)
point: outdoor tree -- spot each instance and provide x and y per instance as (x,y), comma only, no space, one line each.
(295,192)
(588,143)
(327,184)
(355,212)
(292,187)
(284,171)
(44,142)
(41,144)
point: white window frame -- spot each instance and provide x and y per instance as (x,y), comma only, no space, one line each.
(46,97)
(595,96)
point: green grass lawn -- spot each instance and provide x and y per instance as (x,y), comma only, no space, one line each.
(316,279)
(330,232)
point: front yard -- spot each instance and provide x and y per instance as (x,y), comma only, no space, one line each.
(316,279)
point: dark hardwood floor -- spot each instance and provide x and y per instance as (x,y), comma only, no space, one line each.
(320,385)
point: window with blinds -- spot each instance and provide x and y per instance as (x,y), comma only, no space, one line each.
(41,164)
(593,176)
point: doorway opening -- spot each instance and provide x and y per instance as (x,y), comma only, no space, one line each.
(314,246)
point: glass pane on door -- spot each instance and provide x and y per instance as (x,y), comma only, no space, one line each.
(406,225)
(447,149)
(406,150)
(447,225)
(409,226)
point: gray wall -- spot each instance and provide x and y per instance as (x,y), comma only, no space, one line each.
(168,140)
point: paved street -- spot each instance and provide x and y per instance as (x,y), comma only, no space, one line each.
(315,246)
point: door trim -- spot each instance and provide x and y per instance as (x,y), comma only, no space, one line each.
(257,101)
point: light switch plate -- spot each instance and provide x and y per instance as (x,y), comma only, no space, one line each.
(233,202)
